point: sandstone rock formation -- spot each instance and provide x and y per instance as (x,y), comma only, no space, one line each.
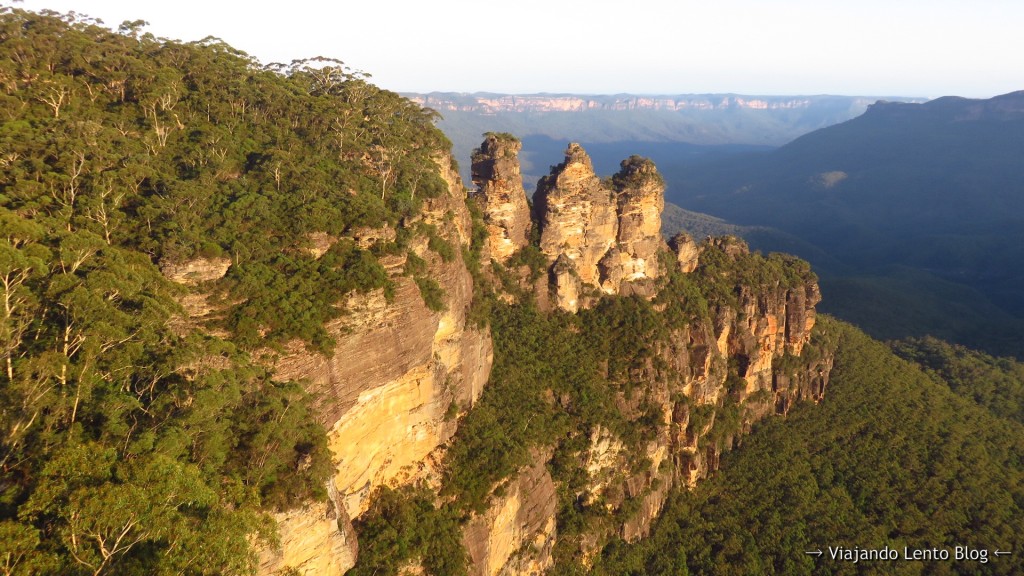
(577,215)
(686,250)
(566,282)
(501,194)
(640,195)
(196,271)
(386,392)
(608,233)
(320,527)
(515,536)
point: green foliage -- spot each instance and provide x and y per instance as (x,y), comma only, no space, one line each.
(681,296)
(186,150)
(890,457)
(995,383)
(634,172)
(414,265)
(125,442)
(294,295)
(438,244)
(131,440)
(403,527)
(432,293)
(532,257)
(724,269)
(537,357)
(483,297)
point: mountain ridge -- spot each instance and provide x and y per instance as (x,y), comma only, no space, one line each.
(933,189)
(491,102)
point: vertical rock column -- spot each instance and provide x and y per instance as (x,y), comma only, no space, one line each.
(640,201)
(501,194)
(578,219)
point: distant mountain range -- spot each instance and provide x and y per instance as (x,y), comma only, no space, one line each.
(491,103)
(912,213)
(673,130)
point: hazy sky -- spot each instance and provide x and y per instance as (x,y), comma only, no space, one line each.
(868,47)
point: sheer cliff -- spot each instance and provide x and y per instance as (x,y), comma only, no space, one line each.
(574,425)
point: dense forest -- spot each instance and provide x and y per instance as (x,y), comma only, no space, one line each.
(132,441)
(896,455)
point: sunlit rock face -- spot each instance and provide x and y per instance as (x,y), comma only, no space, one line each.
(501,195)
(640,197)
(516,534)
(686,250)
(577,215)
(386,393)
(609,231)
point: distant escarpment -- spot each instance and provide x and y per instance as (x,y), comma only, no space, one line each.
(909,212)
(484,103)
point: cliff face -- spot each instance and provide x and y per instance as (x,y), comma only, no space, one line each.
(517,533)
(389,393)
(710,381)
(495,103)
(500,191)
(401,373)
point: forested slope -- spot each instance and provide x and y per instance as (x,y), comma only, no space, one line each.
(891,458)
(132,439)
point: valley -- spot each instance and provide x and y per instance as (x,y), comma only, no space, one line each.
(268,319)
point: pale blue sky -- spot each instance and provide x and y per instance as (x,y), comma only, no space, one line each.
(869,47)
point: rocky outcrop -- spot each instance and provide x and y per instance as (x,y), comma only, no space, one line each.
(315,539)
(516,534)
(577,215)
(399,374)
(195,271)
(501,195)
(640,195)
(686,251)
(607,234)
(566,283)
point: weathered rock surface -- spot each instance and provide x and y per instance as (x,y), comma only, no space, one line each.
(501,195)
(641,200)
(686,250)
(516,534)
(577,215)
(610,232)
(386,392)
(196,270)
(315,539)
(567,284)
